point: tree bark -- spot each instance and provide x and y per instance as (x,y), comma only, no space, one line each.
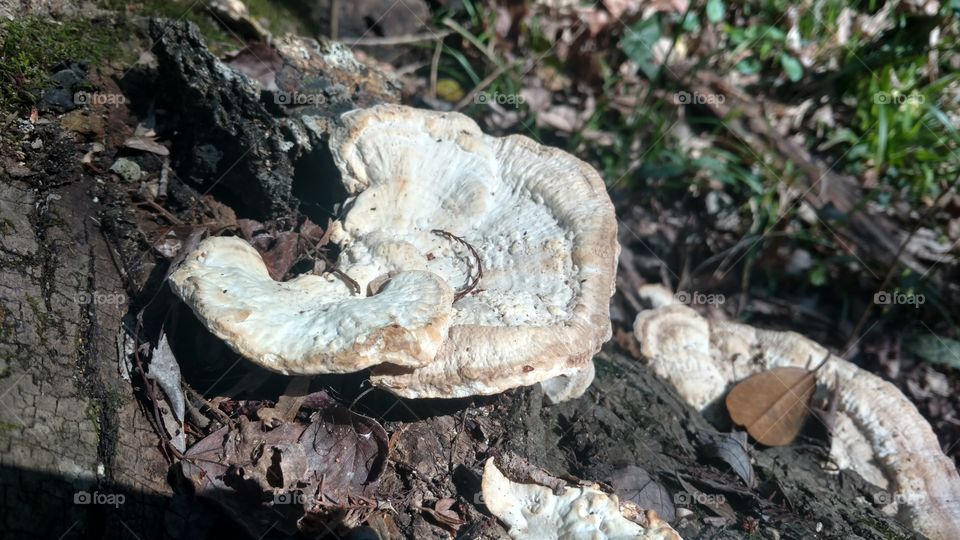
(70,423)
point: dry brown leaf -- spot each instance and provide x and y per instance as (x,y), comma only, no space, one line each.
(773,405)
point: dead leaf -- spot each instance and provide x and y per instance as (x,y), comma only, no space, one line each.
(634,484)
(165,371)
(773,405)
(443,514)
(144,139)
(385,526)
(314,233)
(731,448)
(267,477)
(288,405)
(260,62)
(346,452)
(715,503)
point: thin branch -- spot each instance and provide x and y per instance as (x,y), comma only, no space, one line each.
(163,211)
(476,279)
(354,286)
(435,67)
(487,81)
(334,19)
(407,39)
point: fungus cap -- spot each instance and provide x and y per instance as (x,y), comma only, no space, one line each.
(878,432)
(532,511)
(311,324)
(526,234)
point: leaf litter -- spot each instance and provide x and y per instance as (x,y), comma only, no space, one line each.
(773,405)
(325,466)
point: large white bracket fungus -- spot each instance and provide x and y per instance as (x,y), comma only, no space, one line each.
(877,431)
(534,512)
(523,234)
(311,324)
(538,219)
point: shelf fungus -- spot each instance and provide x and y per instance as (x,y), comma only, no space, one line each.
(523,236)
(876,432)
(535,512)
(311,324)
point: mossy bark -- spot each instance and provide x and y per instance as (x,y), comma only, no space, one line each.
(71,424)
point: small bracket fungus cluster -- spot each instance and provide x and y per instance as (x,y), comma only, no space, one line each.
(483,264)
(535,512)
(877,432)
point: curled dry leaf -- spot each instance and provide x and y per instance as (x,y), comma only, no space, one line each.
(256,473)
(731,448)
(165,371)
(444,514)
(773,405)
(634,484)
(717,505)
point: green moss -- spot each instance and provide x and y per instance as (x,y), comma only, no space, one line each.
(279,17)
(218,39)
(31,47)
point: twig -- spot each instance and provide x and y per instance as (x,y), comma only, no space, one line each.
(359,397)
(410,68)
(487,81)
(334,19)
(155,420)
(435,67)
(406,39)
(476,279)
(215,411)
(163,211)
(354,286)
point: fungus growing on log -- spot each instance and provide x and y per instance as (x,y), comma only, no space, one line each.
(534,511)
(524,236)
(542,231)
(311,324)
(877,432)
